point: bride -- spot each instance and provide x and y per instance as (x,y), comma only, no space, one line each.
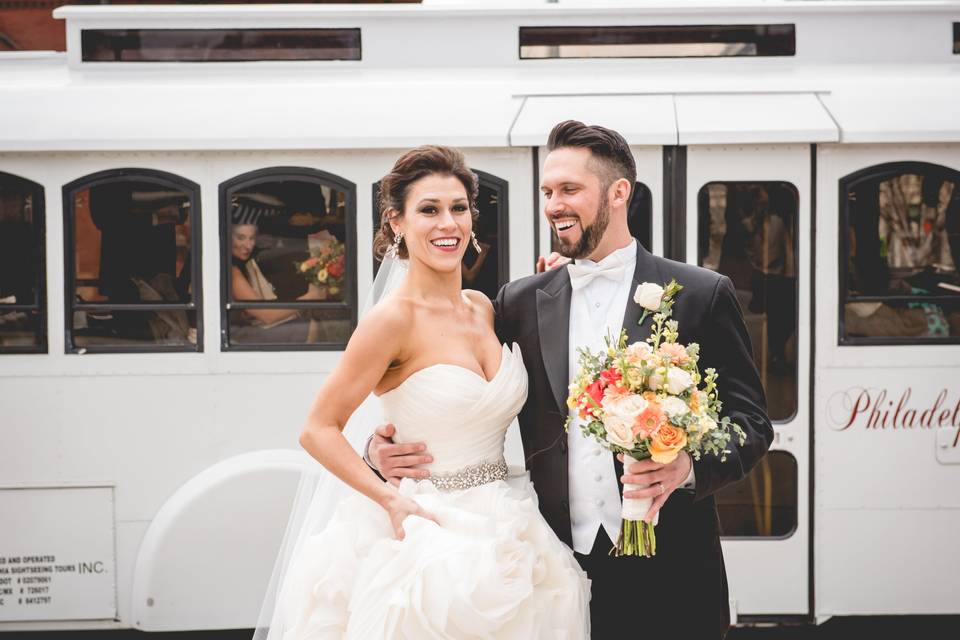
(464,553)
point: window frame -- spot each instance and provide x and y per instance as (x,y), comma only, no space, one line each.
(702,248)
(878,173)
(195,305)
(39,303)
(765,39)
(270,174)
(798,510)
(187,54)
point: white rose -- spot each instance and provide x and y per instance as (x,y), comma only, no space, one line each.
(627,407)
(649,296)
(707,424)
(619,431)
(678,380)
(674,406)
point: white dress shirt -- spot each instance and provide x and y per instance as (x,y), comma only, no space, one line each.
(596,310)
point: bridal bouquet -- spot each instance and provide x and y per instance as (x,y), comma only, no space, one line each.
(326,265)
(645,400)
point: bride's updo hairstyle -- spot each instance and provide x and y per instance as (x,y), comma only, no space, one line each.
(410,167)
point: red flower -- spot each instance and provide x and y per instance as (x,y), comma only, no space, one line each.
(610,376)
(335,268)
(591,398)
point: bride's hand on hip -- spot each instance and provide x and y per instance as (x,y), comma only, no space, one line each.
(399,507)
(397,461)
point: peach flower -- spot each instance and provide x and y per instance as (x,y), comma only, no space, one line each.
(650,420)
(675,353)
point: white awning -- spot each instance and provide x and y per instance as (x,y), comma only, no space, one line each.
(753,118)
(642,119)
(898,109)
(272,114)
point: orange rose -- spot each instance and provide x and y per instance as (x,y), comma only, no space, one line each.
(666,443)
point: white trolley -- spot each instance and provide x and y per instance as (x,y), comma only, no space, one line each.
(149,416)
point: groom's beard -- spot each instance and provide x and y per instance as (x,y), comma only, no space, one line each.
(590,236)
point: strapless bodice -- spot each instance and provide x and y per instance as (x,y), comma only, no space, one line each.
(461,416)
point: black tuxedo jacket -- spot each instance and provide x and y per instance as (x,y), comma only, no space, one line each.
(535,312)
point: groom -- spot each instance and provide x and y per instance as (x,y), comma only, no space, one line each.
(681,592)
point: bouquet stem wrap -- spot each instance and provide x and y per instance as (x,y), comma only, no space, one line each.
(637,538)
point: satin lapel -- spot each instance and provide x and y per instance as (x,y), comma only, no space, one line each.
(645,271)
(553,322)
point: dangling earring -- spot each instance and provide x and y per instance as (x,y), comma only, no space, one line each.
(394,249)
(476,243)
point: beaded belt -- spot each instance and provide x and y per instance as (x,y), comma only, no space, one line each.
(472,476)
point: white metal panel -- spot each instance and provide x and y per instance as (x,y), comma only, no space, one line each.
(883,499)
(753,118)
(641,119)
(57,553)
(769,576)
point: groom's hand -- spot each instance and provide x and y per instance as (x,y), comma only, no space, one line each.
(397,461)
(660,480)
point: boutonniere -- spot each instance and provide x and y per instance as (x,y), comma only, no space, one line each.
(655,298)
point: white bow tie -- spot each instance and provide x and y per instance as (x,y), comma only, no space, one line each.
(582,274)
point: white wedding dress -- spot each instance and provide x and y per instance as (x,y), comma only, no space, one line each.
(492,568)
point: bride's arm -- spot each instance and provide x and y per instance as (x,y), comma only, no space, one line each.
(374,345)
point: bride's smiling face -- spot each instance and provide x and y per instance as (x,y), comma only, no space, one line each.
(436,222)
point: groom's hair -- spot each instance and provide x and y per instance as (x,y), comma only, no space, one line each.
(611,157)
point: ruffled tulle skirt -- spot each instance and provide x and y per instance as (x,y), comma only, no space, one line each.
(492,568)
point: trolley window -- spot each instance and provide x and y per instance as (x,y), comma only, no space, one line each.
(764,504)
(22,296)
(658,41)
(289,259)
(900,242)
(218,45)
(132,263)
(748,232)
(488,270)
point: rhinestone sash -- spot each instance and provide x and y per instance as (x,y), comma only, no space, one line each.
(472,476)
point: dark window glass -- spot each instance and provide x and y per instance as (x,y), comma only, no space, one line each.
(956,37)
(22,312)
(764,504)
(131,265)
(656,41)
(219,45)
(748,232)
(289,259)
(901,241)
(639,217)
(490,269)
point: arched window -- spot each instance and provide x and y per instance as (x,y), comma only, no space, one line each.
(132,240)
(289,260)
(23,319)
(900,243)
(490,269)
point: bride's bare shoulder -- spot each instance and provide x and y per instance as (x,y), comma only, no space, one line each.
(387,320)
(482,302)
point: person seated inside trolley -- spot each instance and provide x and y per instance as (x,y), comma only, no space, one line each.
(248,284)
